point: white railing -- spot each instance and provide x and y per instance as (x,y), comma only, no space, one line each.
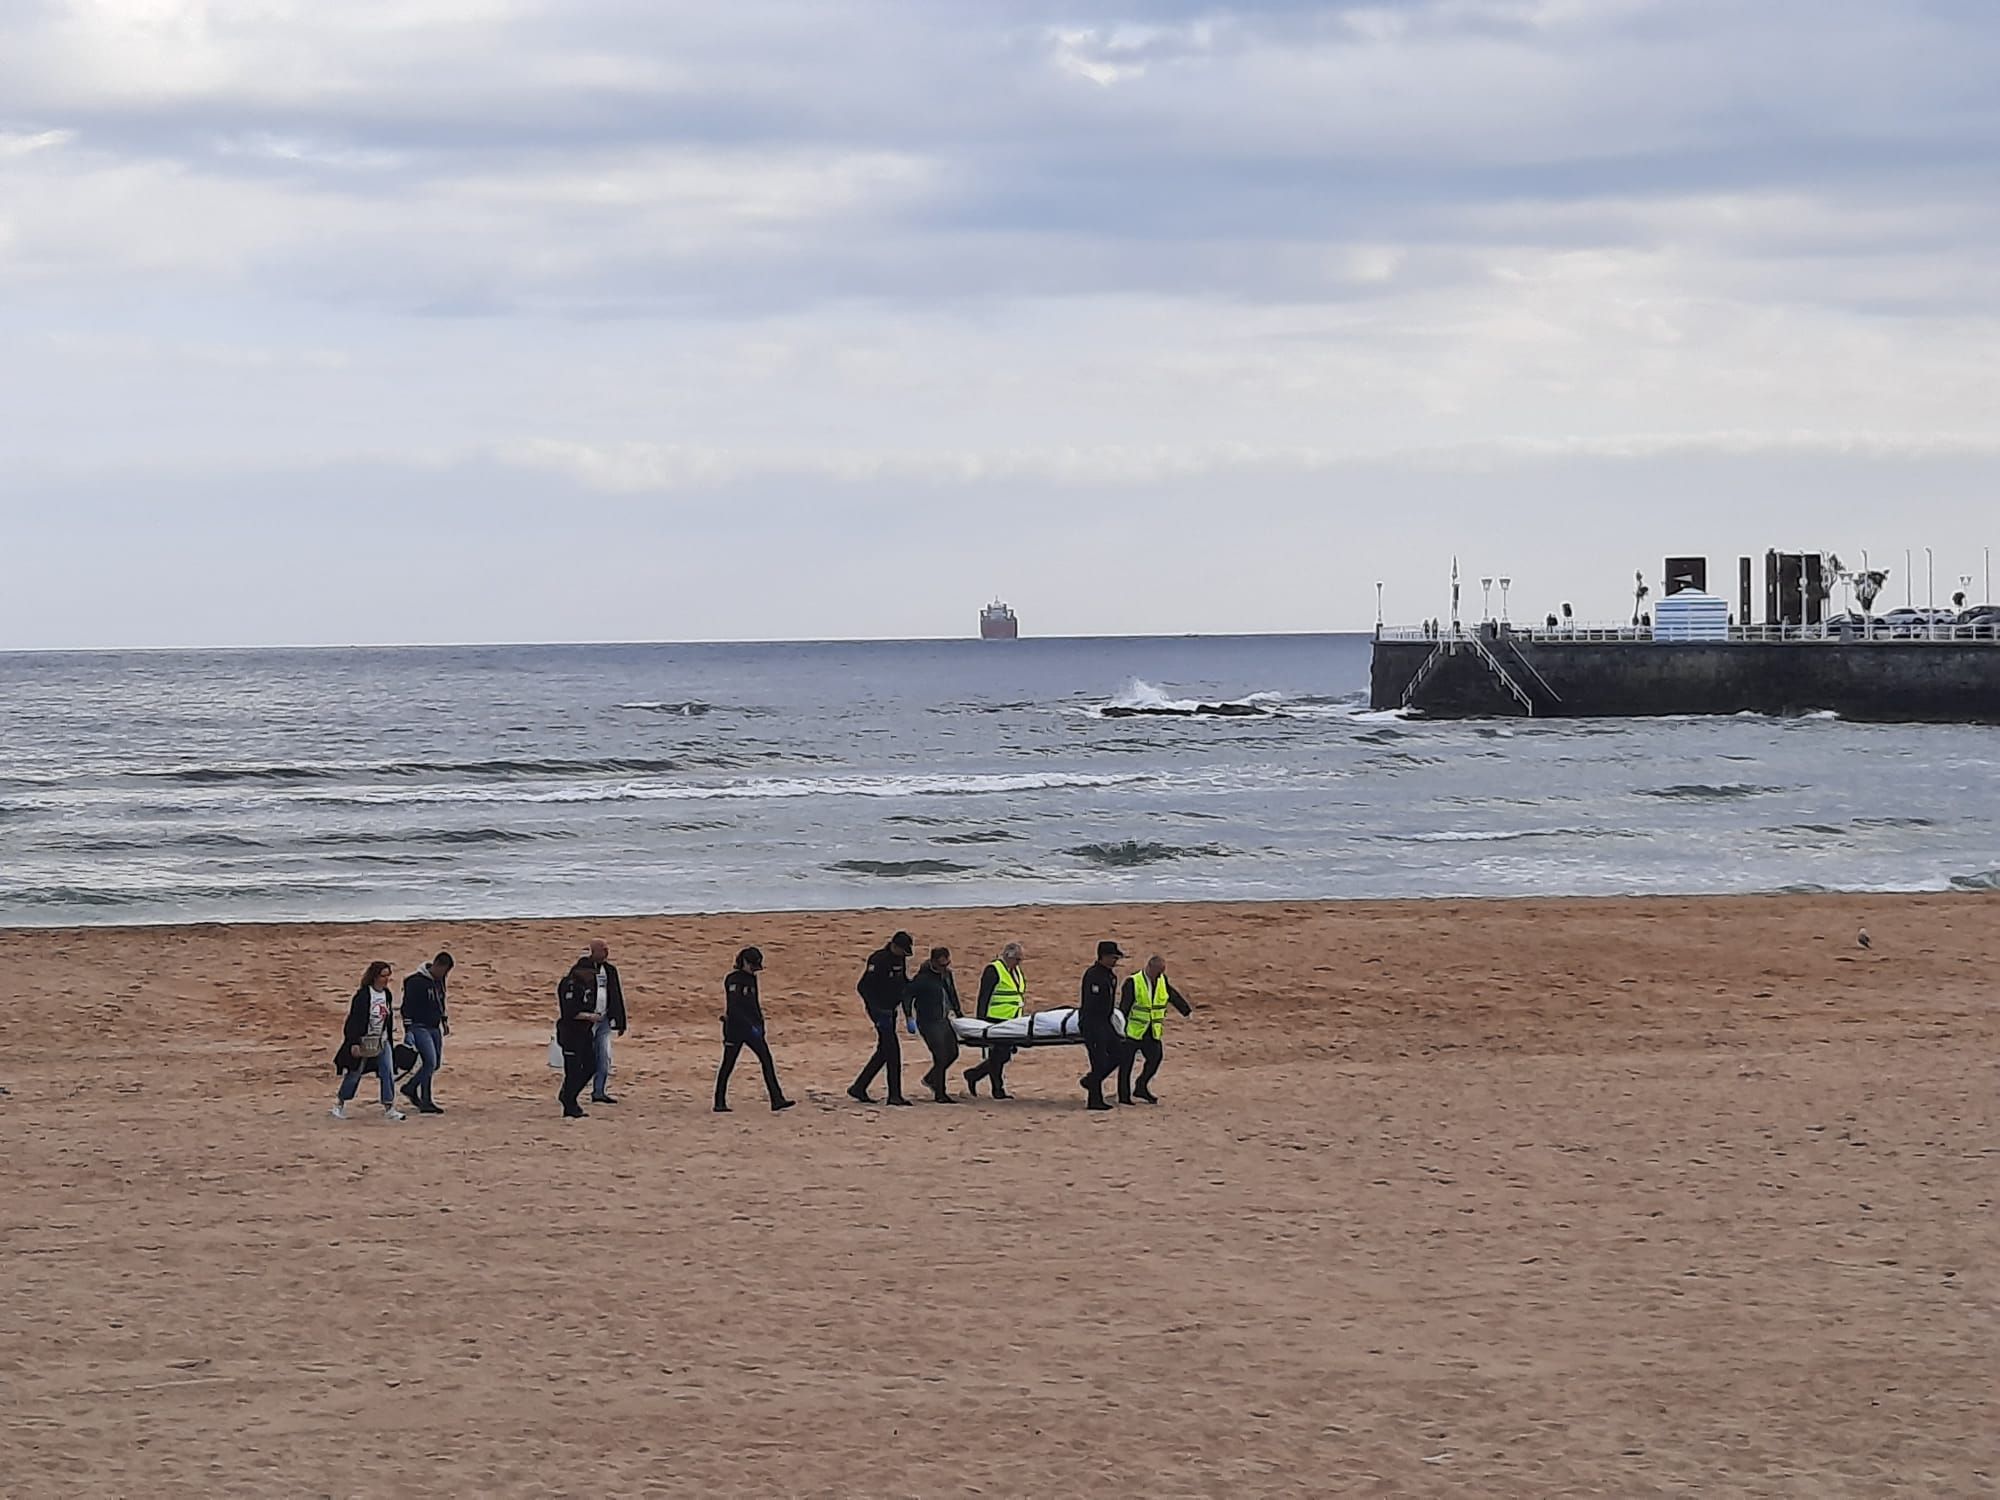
(1898,631)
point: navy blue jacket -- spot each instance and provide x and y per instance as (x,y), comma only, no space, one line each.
(423,999)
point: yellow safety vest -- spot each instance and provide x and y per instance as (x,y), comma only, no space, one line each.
(1010,991)
(1149,1007)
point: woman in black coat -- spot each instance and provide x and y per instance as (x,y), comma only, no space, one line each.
(368,1042)
(743,1026)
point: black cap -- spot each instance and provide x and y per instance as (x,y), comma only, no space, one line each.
(904,941)
(1109,949)
(750,958)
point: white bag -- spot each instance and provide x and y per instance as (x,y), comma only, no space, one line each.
(555,1054)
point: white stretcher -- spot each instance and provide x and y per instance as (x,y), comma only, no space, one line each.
(1045,1028)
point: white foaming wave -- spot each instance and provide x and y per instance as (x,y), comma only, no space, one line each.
(754,788)
(1140,694)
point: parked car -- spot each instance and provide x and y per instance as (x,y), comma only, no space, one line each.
(1908,623)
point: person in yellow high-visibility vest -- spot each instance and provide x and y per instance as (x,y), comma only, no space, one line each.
(1144,999)
(1003,995)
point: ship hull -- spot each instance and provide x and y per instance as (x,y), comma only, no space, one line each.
(999,630)
(1919,681)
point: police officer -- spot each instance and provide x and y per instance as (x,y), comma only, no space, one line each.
(1144,1000)
(882,987)
(576,1032)
(1100,1033)
(1003,995)
(743,1026)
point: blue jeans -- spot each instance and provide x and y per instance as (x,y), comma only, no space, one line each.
(601,1039)
(429,1042)
(381,1063)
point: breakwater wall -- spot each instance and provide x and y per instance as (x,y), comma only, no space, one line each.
(1944,681)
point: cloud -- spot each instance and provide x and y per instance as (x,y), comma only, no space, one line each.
(874,251)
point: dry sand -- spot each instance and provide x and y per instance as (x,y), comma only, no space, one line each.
(1643,1197)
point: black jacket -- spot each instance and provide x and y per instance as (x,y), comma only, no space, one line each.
(576,1000)
(356,1027)
(423,999)
(1100,997)
(614,998)
(742,1012)
(1126,996)
(883,983)
(931,997)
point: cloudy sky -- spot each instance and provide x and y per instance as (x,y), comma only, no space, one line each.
(427,320)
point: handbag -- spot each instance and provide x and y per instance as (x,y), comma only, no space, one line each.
(369,1046)
(404,1057)
(555,1054)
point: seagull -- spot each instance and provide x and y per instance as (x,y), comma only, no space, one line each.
(1863,939)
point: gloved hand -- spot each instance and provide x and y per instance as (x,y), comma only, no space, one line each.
(910,1025)
(757,1032)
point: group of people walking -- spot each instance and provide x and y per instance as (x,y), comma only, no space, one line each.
(1119,1023)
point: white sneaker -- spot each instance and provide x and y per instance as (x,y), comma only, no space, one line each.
(339,1111)
(390,1112)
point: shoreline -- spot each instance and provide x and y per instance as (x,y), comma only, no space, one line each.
(1952,890)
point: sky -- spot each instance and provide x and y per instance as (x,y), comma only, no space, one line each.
(502,320)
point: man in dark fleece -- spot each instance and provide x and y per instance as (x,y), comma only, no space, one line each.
(881,987)
(933,999)
(1100,1033)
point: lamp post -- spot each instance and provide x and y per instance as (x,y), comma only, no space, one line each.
(1504,584)
(1378,606)
(1486,592)
(1930,580)
(1909,579)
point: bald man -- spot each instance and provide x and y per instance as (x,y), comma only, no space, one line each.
(610,1016)
(1144,1000)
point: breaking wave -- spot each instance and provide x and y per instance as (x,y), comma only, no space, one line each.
(1132,853)
(1985,880)
(1706,792)
(899,868)
(752,788)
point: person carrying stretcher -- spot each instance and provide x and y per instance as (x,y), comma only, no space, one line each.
(1003,995)
(1145,999)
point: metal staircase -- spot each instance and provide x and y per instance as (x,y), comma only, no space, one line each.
(1506,679)
(1423,674)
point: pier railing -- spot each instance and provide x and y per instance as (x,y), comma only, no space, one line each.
(1894,632)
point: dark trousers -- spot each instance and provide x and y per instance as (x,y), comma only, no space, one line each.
(731,1050)
(1148,1047)
(943,1042)
(994,1068)
(888,1054)
(579,1067)
(1103,1048)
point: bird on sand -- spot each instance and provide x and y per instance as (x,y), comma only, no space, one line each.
(1863,939)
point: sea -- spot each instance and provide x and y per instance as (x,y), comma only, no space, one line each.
(338,784)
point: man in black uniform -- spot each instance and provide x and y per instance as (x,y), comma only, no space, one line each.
(1100,1034)
(933,1000)
(881,987)
(1145,999)
(743,1026)
(576,1032)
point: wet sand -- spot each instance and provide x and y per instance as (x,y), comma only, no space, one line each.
(1638,1197)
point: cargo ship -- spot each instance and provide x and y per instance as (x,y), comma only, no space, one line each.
(1690,654)
(997,623)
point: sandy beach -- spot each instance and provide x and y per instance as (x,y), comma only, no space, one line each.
(1631,1197)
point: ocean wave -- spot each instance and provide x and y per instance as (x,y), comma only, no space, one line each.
(1505,835)
(1985,880)
(899,868)
(282,774)
(690,708)
(1698,791)
(1141,697)
(754,788)
(977,836)
(1895,822)
(1131,853)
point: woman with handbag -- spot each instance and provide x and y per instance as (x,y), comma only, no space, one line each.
(368,1042)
